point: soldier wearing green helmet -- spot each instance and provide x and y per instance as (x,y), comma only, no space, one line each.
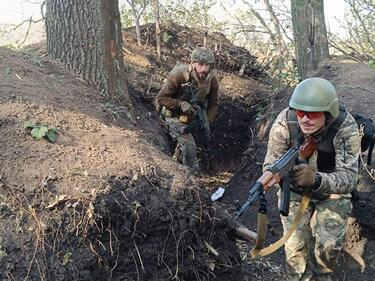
(186,86)
(330,173)
(315,95)
(202,55)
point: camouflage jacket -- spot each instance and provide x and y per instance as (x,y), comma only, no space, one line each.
(346,143)
(172,93)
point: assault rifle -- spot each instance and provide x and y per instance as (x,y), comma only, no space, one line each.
(279,171)
(200,122)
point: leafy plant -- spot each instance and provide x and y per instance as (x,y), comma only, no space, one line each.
(259,114)
(68,257)
(111,109)
(39,131)
(371,64)
(166,37)
(3,253)
(10,46)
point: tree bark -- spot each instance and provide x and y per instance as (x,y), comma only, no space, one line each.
(138,30)
(157,29)
(86,36)
(310,35)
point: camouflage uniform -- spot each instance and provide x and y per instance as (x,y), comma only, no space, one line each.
(315,246)
(168,101)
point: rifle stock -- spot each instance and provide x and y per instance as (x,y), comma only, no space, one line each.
(279,171)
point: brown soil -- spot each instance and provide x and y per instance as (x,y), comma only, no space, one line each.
(107,202)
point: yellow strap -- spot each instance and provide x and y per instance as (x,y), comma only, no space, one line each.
(257,251)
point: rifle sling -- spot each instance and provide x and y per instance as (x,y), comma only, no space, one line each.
(258,251)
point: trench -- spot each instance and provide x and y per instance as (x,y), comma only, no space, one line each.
(160,236)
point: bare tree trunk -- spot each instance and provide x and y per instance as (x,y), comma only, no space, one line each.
(277,25)
(137,12)
(138,31)
(310,35)
(205,23)
(86,36)
(136,21)
(157,29)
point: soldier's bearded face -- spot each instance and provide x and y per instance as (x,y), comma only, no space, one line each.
(202,69)
(311,124)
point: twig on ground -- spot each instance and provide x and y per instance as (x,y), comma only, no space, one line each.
(211,249)
(139,255)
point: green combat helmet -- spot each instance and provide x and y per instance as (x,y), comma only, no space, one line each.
(202,55)
(315,95)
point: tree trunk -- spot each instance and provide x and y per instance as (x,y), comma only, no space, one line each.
(277,25)
(157,29)
(137,11)
(310,35)
(86,36)
(138,31)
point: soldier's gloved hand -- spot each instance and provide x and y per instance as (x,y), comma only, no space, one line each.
(303,175)
(187,108)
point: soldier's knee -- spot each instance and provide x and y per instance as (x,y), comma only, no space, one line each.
(329,254)
(190,148)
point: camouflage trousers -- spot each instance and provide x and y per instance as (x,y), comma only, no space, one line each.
(186,148)
(315,247)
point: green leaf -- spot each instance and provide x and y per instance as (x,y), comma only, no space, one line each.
(53,129)
(29,125)
(51,135)
(2,253)
(68,257)
(39,132)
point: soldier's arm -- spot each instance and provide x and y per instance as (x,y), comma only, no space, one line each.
(347,147)
(169,89)
(213,104)
(278,142)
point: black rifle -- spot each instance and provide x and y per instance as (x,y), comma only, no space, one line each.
(279,171)
(200,122)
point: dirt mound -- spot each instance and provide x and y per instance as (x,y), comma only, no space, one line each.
(85,207)
(354,82)
(180,237)
(179,41)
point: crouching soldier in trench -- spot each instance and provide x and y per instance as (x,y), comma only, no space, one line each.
(331,173)
(186,87)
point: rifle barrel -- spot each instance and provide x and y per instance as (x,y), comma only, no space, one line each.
(254,195)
